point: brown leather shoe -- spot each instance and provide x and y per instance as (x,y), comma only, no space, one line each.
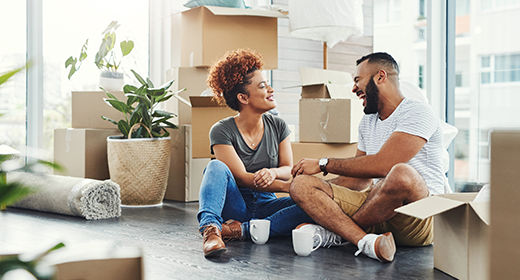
(232,230)
(213,246)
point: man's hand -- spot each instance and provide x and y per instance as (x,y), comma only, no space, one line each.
(306,166)
(264,178)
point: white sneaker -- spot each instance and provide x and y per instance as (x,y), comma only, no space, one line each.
(380,247)
(329,238)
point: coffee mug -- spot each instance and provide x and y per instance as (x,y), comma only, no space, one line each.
(259,230)
(303,241)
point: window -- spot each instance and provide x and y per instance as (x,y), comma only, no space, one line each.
(500,68)
(12,56)
(421,76)
(64,31)
(387,11)
(492,4)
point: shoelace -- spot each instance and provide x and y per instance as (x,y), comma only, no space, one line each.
(329,238)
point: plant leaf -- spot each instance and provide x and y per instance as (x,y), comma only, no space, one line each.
(149,82)
(161,113)
(129,89)
(9,74)
(110,95)
(139,78)
(118,105)
(12,192)
(111,27)
(110,120)
(141,98)
(126,47)
(123,127)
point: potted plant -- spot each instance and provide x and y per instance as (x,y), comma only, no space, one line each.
(139,159)
(106,59)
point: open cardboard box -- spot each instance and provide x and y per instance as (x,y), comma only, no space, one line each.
(461,233)
(329,111)
(505,191)
(193,79)
(209,32)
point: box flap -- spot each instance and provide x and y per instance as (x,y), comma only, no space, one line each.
(226,11)
(204,101)
(340,92)
(429,206)
(313,76)
(482,210)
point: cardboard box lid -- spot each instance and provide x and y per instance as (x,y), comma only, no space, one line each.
(437,204)
(204,101)
(313,76)
(226,11)
(338,83)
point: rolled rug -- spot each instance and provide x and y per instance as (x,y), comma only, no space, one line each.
(88,198)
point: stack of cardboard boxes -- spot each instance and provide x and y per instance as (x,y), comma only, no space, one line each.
(82,149)
(329,115)
(206,34)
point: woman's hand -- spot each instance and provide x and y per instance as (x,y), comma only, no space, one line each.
(264,178)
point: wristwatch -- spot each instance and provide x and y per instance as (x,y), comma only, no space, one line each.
(323,165)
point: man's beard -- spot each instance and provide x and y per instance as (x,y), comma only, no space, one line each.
(372,97)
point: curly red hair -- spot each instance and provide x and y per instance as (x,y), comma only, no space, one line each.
(228,75)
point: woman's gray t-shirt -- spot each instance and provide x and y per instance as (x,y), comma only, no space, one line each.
(265,155)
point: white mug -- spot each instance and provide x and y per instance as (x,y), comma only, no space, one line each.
(303,241)
(259,230)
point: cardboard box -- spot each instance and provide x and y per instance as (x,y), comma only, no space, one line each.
(505,178)
(95,262)
(102,269)
(185,171)
(193,79)
(82,152)
(461,230)
(208,32)
(204,113)
(89,106)
(329,111)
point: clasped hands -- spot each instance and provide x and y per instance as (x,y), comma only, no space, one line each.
(264,178)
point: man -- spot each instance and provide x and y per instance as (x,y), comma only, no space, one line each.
(398,161)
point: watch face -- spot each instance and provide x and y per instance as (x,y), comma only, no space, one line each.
(323,161)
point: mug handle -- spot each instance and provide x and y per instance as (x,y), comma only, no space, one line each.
(321,240)
(252,233)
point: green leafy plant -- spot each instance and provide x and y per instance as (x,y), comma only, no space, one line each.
(145,112)
(9,263)
(106,58)
(12,192)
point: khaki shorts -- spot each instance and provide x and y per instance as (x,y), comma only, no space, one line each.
(407,231)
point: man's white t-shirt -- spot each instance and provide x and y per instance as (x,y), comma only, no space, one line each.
(415,118)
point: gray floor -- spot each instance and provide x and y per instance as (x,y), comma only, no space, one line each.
(173,248)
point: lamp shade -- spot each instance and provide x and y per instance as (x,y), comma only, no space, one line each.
(329,21)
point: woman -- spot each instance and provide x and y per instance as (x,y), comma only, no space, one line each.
(253,158)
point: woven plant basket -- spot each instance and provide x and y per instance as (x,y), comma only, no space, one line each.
(140,167)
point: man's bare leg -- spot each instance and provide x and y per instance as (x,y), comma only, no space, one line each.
(402,185)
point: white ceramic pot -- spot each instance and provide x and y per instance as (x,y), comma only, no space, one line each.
(111,81)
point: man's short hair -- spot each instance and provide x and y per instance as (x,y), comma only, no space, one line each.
(381,58)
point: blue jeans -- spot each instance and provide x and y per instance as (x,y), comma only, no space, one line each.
(221,199)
